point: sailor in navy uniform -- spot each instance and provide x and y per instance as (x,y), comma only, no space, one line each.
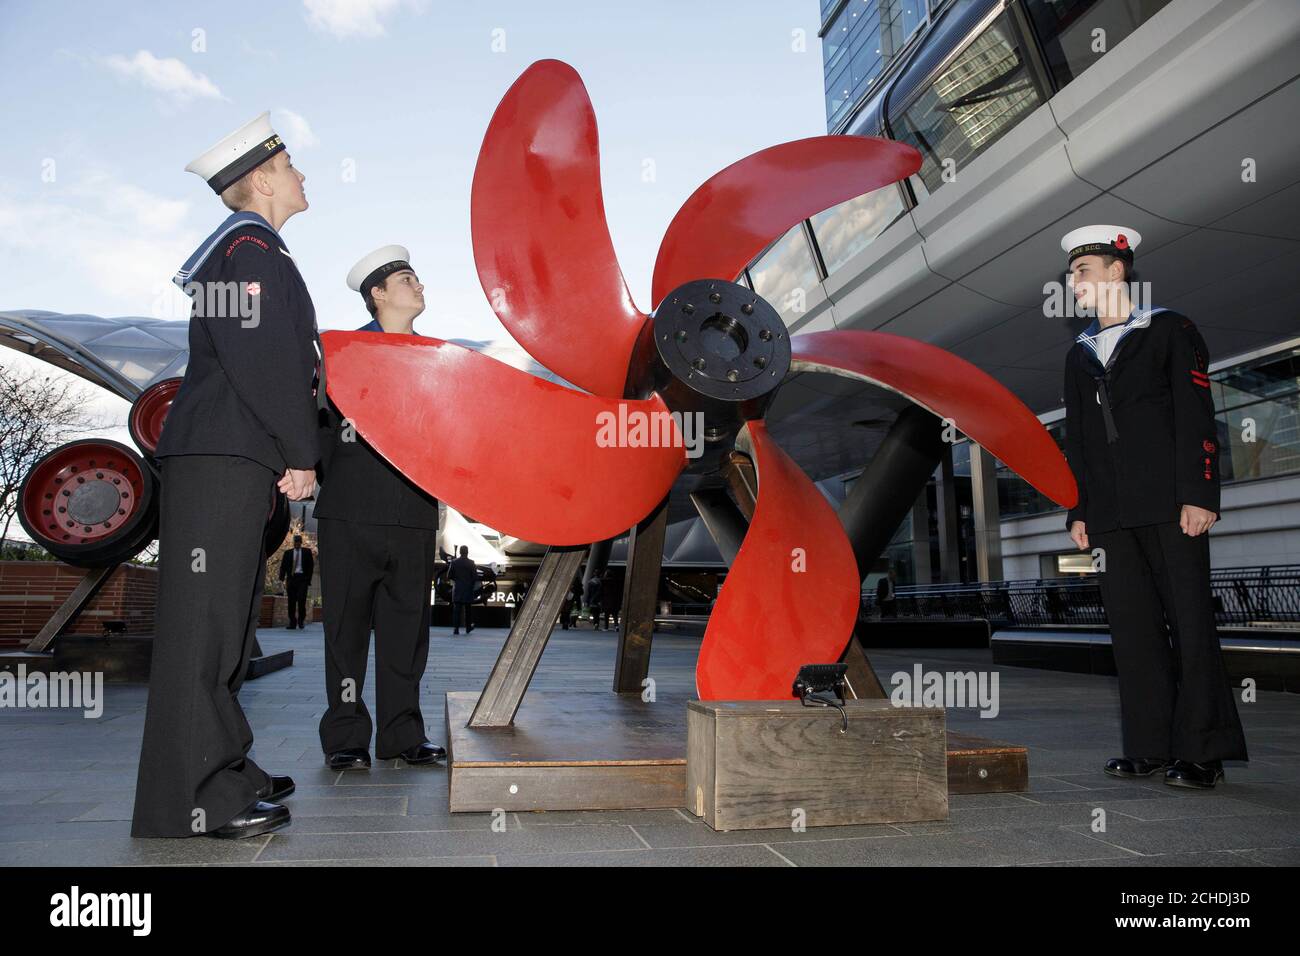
(377,535)
(243,424)
(1142,442)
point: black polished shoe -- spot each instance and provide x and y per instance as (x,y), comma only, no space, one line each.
(422,753)
(1198,776)
(258,818)
(1134,766)
(277,789)
(357,758)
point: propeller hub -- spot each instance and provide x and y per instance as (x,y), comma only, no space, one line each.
(722,349)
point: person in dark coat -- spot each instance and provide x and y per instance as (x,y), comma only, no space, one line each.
(611,599)
(1142,443)
(296,567)
(572,599)
(592,597)
(243,425)
(886,599)
(463,574)
(378,546)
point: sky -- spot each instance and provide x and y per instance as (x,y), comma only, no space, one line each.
(383,105)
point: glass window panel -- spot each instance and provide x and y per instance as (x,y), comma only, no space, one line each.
(1266,378)
(835,40)
(901,20)
(786,274)
(837,94)
(866,65)
(961,459)
(1065,30)
(1275,427)
(865,37)
(982,94)
(1017,498)
(910,16)
(845,230)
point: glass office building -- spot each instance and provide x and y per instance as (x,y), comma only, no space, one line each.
(951,78)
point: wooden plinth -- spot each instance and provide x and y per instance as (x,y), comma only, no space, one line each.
(980,765)
(603,751)
(579,751)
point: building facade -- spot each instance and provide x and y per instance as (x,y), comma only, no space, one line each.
(1034,116)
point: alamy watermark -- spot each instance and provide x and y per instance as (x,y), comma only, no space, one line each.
(215,300)
(946,689)
(57,689)
(637,428)
(77,909)
(1059,300)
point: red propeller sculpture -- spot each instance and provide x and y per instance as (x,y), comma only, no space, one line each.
(711,349)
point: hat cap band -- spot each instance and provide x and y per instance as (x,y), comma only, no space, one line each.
(387,269)
(247,163)
(1101,249)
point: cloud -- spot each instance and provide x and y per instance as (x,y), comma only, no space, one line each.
(100,246)
(346,18)
(294,130)
(170,77)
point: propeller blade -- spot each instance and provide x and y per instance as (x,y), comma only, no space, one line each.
(524,456)
(728,220)
(950,387)
(541,243)
(792,594)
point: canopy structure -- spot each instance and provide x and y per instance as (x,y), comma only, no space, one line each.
(127,354)
(123,355)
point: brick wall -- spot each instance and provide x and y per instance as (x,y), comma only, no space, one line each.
(274,611)
(30,591)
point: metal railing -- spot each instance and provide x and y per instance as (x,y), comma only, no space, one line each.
(1243,597)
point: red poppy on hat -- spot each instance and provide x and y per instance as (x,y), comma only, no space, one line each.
(1121,241)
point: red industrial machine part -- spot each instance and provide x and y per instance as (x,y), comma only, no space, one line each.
(94,503)
(711,348)
(90,503)
(149,411)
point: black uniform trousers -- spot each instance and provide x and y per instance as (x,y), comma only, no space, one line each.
(1176,702)
(195,773)
(376,575)
(297,591)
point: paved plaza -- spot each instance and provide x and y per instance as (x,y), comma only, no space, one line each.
(67,783)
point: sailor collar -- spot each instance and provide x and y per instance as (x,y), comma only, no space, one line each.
(209,245)
(1137,319)
(374,326)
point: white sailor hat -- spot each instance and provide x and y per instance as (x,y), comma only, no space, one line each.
(374,267)
(1118,241)
(242,151)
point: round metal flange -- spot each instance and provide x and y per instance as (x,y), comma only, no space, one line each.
(722,340)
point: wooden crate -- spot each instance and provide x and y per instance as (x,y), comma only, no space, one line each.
(756,764)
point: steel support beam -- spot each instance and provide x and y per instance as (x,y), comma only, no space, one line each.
(534,621)
(645,558)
